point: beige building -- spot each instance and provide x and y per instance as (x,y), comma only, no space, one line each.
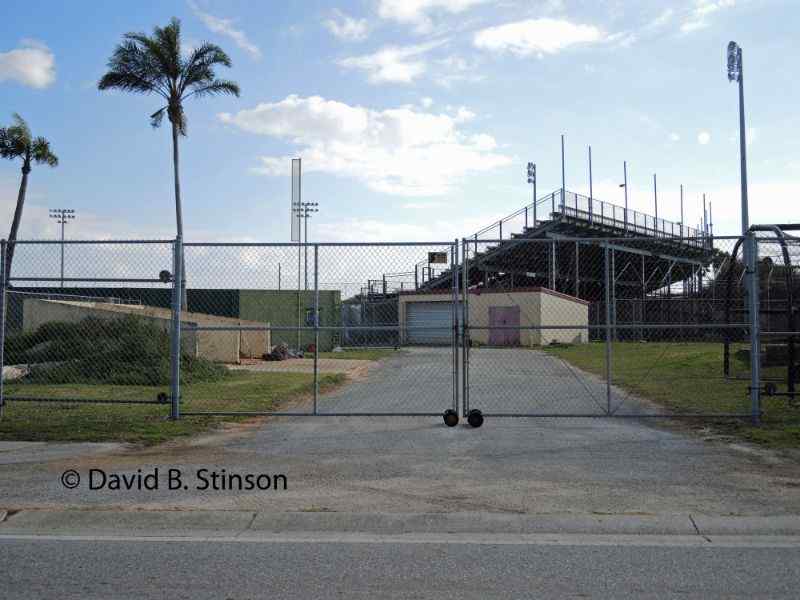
(218,346)
(496,317)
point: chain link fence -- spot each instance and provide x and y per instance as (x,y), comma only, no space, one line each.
(546,326)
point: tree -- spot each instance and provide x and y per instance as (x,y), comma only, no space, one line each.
(16,142)
(155,64)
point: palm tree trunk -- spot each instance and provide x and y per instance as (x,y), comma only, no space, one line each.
(178,210)
(12,236)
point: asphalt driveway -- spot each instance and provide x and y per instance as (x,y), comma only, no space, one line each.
(416,464)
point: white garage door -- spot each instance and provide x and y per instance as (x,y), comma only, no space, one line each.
(430,322)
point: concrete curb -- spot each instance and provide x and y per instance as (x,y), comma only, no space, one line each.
(226,523)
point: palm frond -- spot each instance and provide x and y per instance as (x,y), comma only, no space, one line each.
(15,139)
(21,125)
(157,117)
(199,68)
(42,154)
(133,68)
(216,88)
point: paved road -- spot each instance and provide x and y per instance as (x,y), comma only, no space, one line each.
(559,567)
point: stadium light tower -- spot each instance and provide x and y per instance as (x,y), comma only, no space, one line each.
(305,211)
(532,180)
(735,73)
(62,217)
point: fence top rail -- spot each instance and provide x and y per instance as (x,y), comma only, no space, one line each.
(313,244)
(87,242)
(591,240)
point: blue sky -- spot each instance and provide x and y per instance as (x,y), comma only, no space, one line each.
(415,118)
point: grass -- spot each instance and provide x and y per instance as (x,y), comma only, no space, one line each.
(125,351)
(360,354)
(687,377)
(148,424)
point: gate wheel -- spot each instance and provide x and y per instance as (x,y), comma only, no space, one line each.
(475,417)
(450,417)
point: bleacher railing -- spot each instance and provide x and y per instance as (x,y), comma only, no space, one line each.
(561,203)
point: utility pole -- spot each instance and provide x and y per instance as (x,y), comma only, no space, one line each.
(681,211)
(62,216)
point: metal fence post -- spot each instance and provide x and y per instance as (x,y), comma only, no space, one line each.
(454,267)
(609,275)
(316,324)
(3,285)
(751,243)
(465,341)
(175,337)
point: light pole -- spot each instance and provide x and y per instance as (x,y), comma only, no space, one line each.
(735,73)
(62,216)
(532,179)
(563,177)
(304,211)
(590,185)
(655,199)
(625,186)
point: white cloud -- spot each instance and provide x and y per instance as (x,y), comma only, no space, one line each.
(435,225)
(393,64)
(401,151)
(454,69)
(426,102)
(703,138)
(32,64)
(225,27)
(536,36)
(347,28)
(703,9)
(417,12)
(674,137)
(662,19)
(422,205)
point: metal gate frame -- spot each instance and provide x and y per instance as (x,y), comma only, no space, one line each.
(610,327)
(316,329)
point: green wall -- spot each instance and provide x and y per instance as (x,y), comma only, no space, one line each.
(268,306)
(280,308)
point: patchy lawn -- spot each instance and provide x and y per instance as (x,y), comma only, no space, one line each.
(240,391)
(687,377)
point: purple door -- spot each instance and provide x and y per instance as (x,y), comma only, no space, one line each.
(503,316)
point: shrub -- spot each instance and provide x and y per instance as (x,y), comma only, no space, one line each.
(125,351)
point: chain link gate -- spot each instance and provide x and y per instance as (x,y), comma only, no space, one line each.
(317,299)
(582,327)
(543,327)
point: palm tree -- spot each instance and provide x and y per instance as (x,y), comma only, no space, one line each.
(16,142)
(156,65)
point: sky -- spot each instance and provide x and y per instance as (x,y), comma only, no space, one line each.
(415,119)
